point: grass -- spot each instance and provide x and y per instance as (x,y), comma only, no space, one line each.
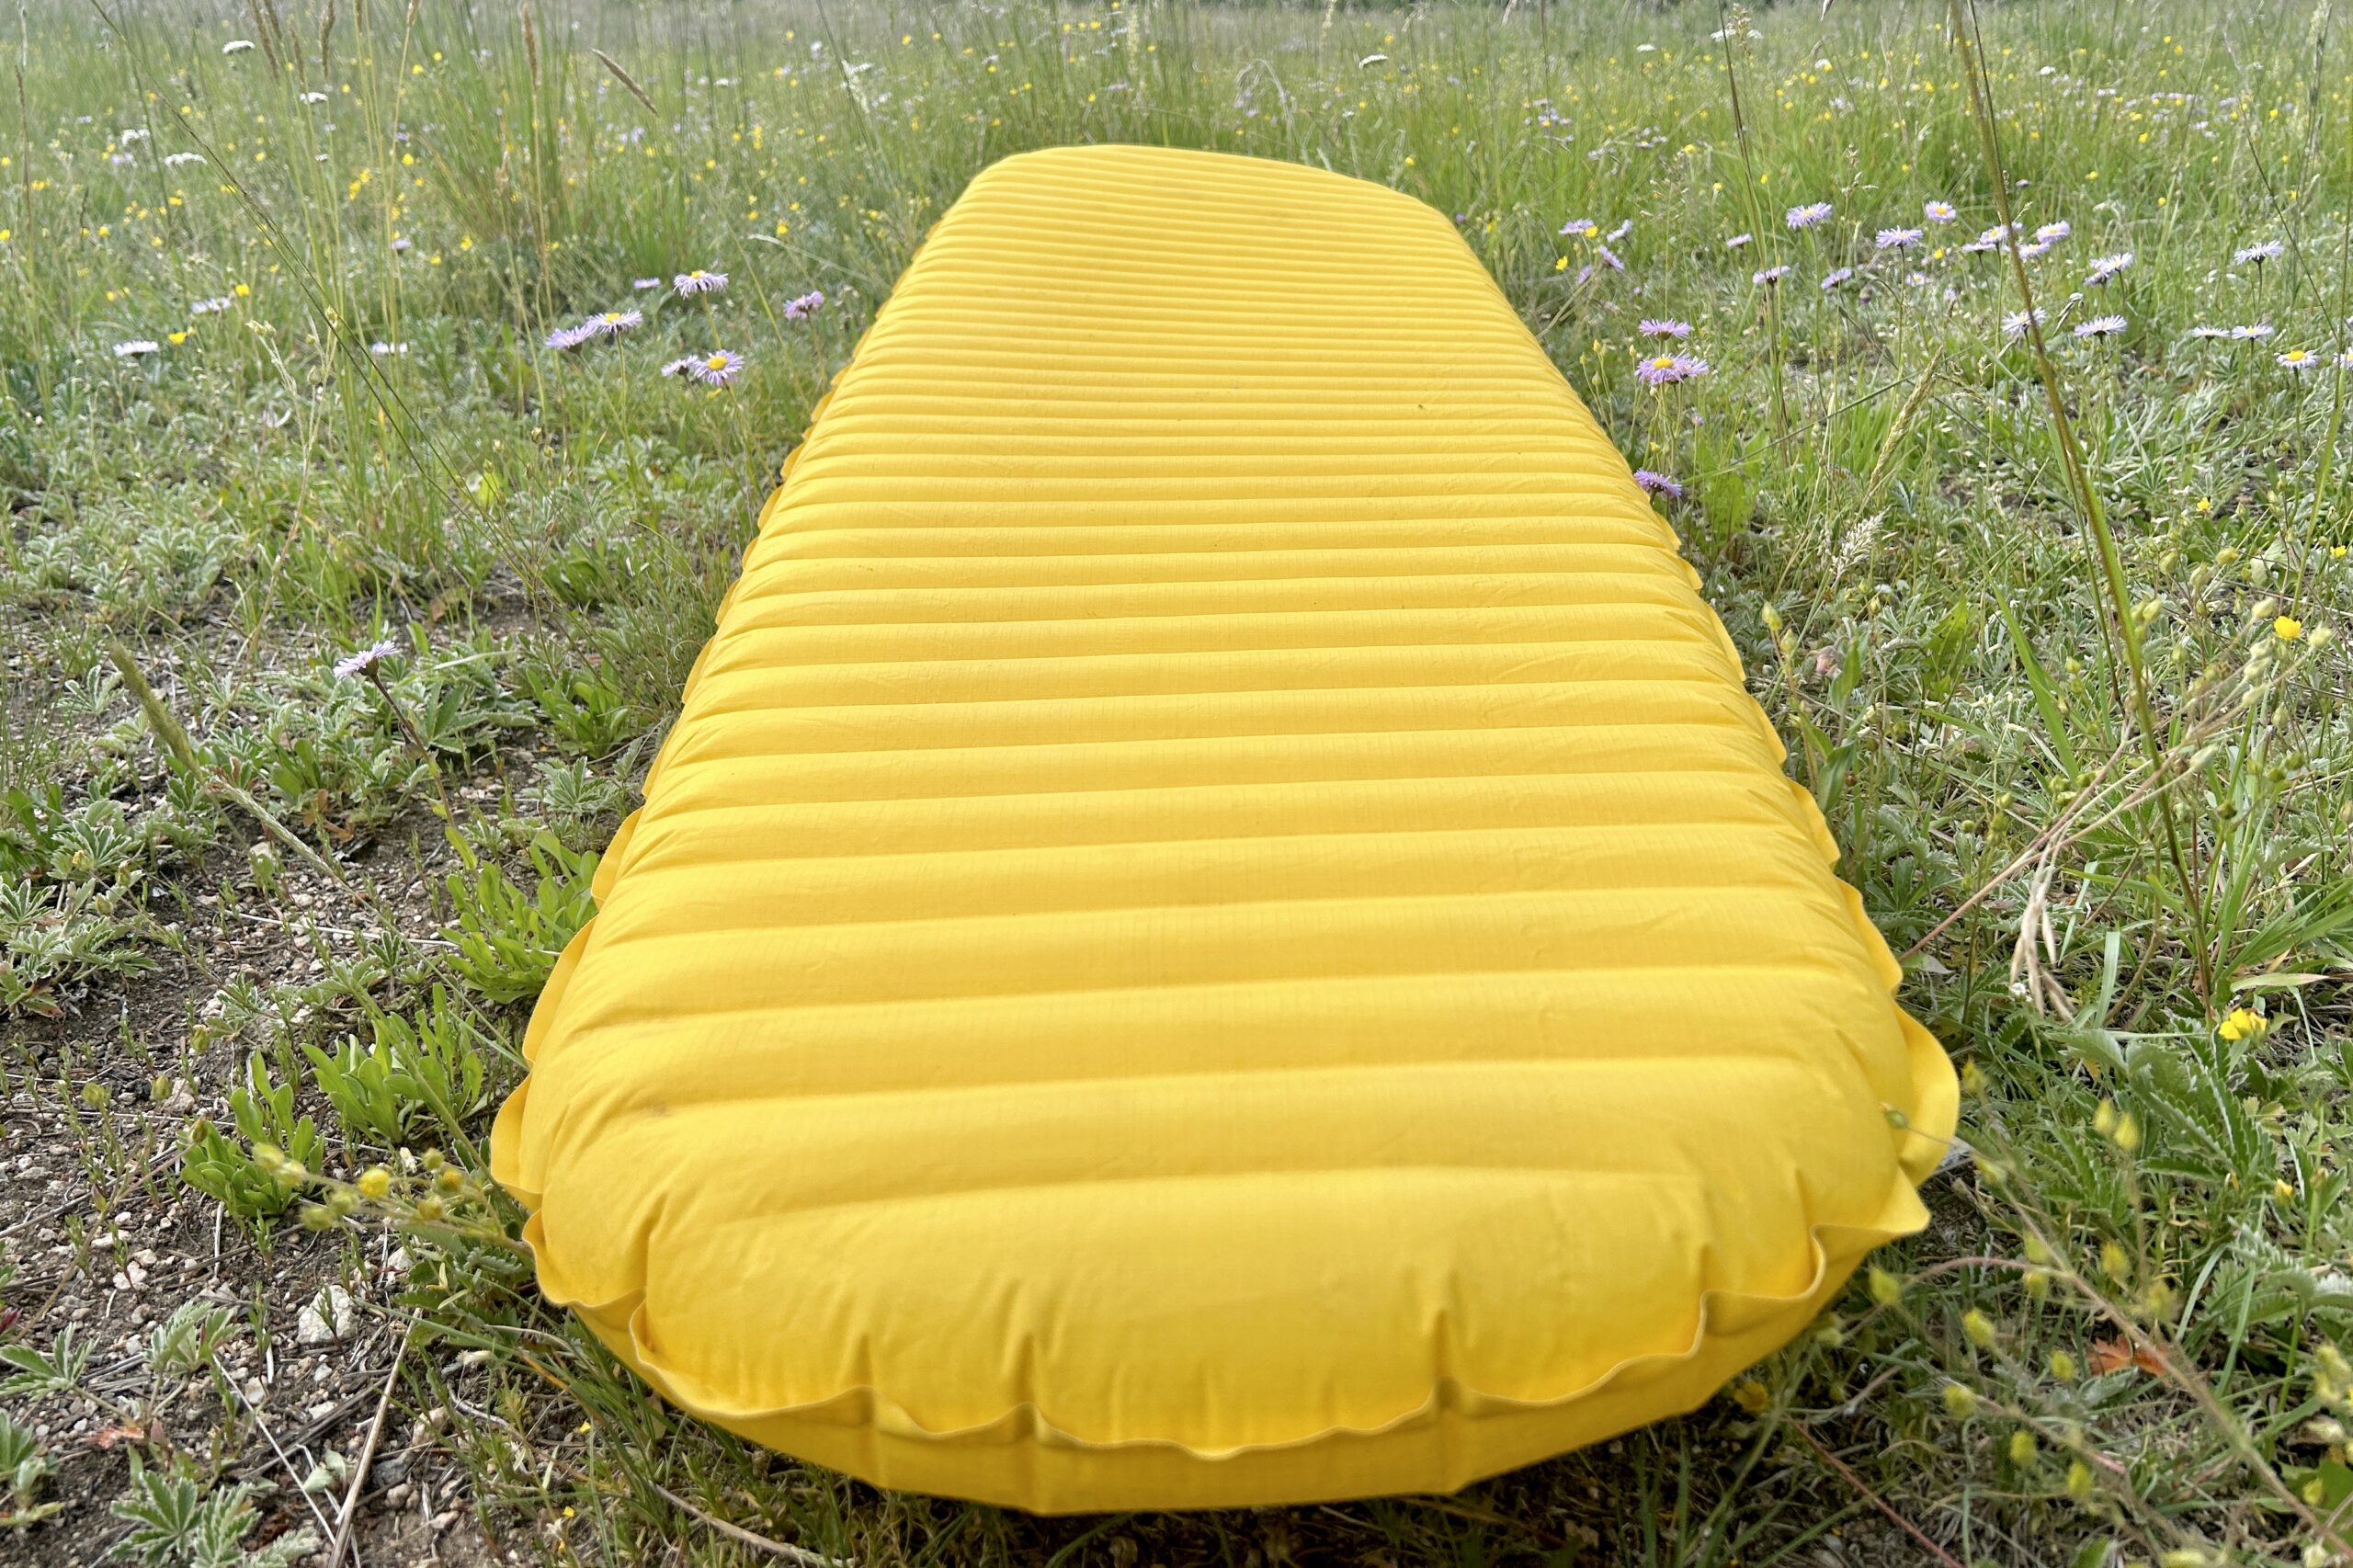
(2047,617)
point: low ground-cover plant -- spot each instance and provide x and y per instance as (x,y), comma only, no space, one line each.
(506,936)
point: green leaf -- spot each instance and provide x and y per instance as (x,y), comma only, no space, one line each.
(2046,696)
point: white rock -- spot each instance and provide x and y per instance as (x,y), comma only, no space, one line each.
(328,1319)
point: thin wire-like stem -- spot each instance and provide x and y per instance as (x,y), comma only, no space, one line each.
(2086,496)
(415,741)
(1755,220)
(1938,1552)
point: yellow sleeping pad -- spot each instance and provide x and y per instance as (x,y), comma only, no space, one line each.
(1218,926)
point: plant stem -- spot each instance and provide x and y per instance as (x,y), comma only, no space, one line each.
(2112,560)
(416,742)
(1756,223)
(167,730)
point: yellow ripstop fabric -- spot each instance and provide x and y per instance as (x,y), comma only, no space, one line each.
(1218,926)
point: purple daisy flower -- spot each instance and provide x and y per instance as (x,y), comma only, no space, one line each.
(2107,267)
(2016,323)
(1898,239)
(2268,251)
(1659,484)
(2255,333)
(609,324)
(1808,215)
(1938,212)
(365,659)
(2052,234)
(2099,326)
(137,348)
(1659,326)
(1611,257)
(2298,359)
(1837,276)
(1585,227)
(566,337)
(1770,274)
(1667,369)
(684,366)
(1737,241)
(719,367)
(802,308)
(699,282)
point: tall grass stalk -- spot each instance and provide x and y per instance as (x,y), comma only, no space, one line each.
(2110,562)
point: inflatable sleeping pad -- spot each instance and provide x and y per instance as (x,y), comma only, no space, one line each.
(1218,926)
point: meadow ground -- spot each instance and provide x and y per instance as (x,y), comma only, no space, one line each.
(342,604)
